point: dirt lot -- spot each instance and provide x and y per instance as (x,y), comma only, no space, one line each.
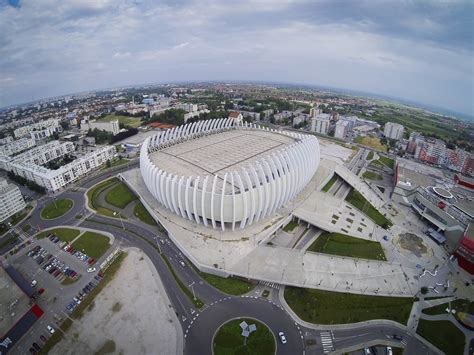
(130,316)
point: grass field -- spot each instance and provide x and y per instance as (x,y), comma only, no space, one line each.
(228,339)
(329,184)
(119,196)
(345,245)
(376,164)
(325,307)
(142,214)
(64,234)
(370,156)
(356,199)
(116,162)
(458,305)
(134,122)
(387,161)
(442,334)
(371,175)
(371,142)
(229,285)
(290,226)
(57,208)
(93,194)
(92,244)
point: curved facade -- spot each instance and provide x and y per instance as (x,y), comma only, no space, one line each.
(231,175)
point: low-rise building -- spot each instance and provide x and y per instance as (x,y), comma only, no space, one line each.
(282,115)
(110,126)
(11,200)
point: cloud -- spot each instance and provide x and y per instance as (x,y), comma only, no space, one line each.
(414,50)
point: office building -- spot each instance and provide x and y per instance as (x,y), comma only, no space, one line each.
(342,129)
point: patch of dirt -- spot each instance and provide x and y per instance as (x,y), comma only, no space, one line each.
(116,307)
(107,348)
(413,243)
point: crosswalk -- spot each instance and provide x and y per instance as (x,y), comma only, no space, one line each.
(270,284)
(327,341)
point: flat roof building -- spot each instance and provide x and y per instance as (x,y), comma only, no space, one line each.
(393,130)
(11,200)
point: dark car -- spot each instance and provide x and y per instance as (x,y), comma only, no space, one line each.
(32,351)
(36,346)
(40,291)
(397,337)
(43,338)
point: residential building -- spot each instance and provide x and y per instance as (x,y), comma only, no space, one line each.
(255,116)
(320,123)
(393,130)
(11,200)
(300,119)
(237,116)
(282,115)
(187,107)
(17,146)
(315,111)
(342,129)
(267,113)
(192,114)
(111,126)
(39,130)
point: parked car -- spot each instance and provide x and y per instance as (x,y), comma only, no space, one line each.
(91,269)
(33,283)
(36,346)
(50,329)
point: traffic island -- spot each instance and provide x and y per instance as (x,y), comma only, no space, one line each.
(244,336)
(57,208)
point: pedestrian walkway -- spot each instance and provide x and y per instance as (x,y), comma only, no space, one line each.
(274,285)
(327,341)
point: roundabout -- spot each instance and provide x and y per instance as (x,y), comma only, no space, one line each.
(244,336)
(203,329)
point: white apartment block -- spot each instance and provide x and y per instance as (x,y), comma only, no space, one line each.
(187,107)
(253,115)
(299,119)
(14,147)
(393,130)
(39,130)
(111,126)
(53,180)
(267,113)
(29,164)
(320,123)
(189,115)
(11,200)
(342,129)
(282,115)
(314,111)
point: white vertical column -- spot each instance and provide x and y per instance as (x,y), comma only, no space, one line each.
(233,199)
(222,202)
(180,196)
(186,198)
(203,202)
(213,197)
(244,200)
(196,185)
(252,196)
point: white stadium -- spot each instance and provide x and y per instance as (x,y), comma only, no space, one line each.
(224,174)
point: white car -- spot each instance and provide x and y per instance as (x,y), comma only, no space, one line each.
(389,350)
(282,337)
(33,283)
(51,329)
(91,269)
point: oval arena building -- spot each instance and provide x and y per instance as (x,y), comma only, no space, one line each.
(225,174)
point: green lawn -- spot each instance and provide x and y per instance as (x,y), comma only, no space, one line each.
(442,334)
(371,175)
(64,234)
(228,340)
(387,161)
(458,305)
(370,156)
(57,208)
(142,214)
(92,244)
(116,162)
(345,245)
(329,184)
(376,164)
(120,196)
(325,307)
(8,240)
(93,194)
(290,226)
(229,285)
(134,122)
(356,199)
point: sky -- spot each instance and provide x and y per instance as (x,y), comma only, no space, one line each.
(415,50)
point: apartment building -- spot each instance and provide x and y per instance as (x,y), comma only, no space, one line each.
(39,130)
(320,123)
(17,146)
(393,130)
(11,200)
(342,129)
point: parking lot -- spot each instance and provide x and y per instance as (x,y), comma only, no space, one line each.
(62,279)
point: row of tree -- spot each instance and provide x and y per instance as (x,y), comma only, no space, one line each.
(25,182)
